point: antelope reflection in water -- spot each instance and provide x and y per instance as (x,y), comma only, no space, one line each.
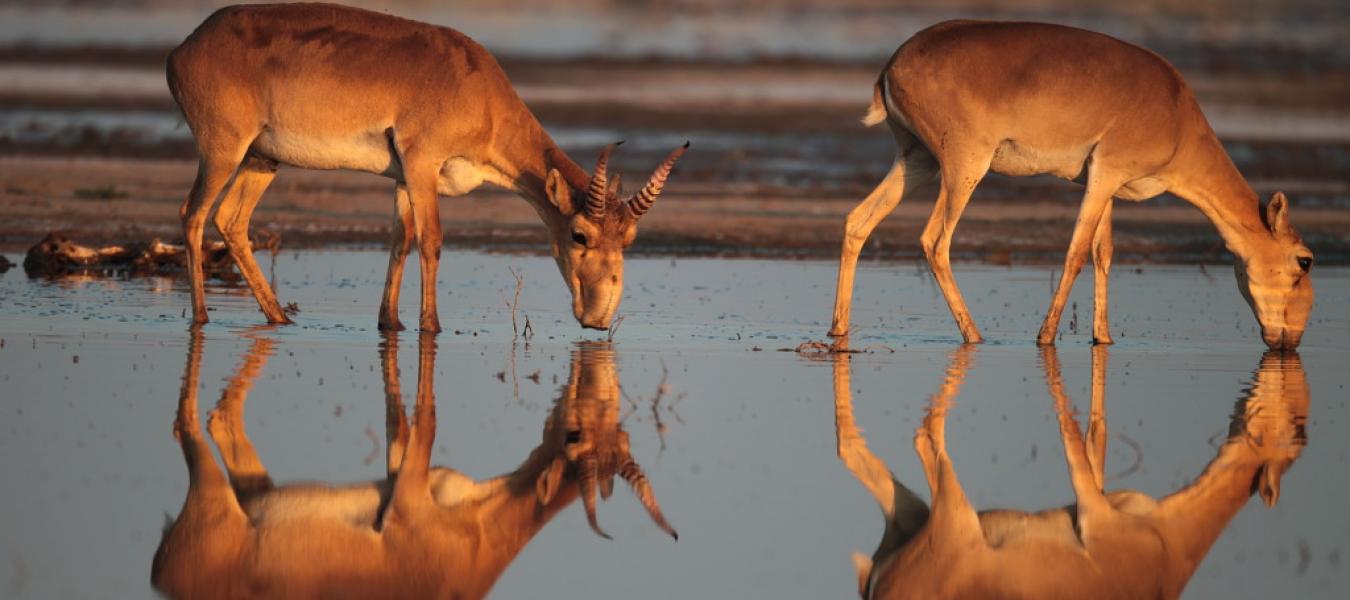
(1117,544)
(421,532)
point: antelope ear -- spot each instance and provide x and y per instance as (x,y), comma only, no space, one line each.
(1268,484)
(547,484)
(615,185)
(559,193)
(863,566)
(1277,214)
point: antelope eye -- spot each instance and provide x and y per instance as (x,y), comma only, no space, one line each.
(1305,263)
(573,436)
(579,238)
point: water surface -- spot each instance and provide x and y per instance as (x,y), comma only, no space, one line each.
(740,449)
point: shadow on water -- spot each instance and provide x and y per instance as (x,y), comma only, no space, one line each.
(421,531)
(1109,544)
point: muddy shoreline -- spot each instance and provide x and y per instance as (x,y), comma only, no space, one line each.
(1011,221)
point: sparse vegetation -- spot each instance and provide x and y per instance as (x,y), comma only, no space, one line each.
(103,192)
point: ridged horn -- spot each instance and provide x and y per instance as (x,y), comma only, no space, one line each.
(589,467)
(606,487)
(642,201)
(597,195)
(632,473)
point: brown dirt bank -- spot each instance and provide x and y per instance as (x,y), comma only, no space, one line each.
(1022,221)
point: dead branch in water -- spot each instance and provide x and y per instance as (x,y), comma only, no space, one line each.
(514,303)
(815,349)
(57,255)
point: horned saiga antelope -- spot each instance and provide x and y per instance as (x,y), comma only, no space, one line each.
(963,98)
(421,532)
(1116,544)
(322,86)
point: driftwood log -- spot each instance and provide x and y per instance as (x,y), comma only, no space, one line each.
(56,255)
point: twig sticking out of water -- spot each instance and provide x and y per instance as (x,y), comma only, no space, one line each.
(816,349)
(813,347)
(514,303)
(271,241)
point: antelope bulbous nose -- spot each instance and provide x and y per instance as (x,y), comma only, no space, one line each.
(593,323)
(1282,339)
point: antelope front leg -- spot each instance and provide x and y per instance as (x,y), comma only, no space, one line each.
(857,227)
(421,183)
(403,235)
(1102,248)
(1095,201)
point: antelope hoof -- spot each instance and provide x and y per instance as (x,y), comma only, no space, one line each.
(1102,340)
(394,325)
(432,325)
(280,320)
(1044,340)
(838,332)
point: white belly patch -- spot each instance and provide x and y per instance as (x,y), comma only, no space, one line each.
(459,177)
(362,151)
(1011,158)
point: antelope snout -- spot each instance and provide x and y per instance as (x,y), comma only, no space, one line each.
(1281,338)
(596,317)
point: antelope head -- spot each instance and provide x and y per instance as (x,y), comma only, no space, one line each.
(597,226)
(1275,279)
(588,443)
(1271,420)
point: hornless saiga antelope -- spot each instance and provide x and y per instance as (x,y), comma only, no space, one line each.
(420,533)
(967,97)
(322,86)
(1118,544)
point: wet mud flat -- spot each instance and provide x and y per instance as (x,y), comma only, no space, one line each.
(739,443)
(1024,221)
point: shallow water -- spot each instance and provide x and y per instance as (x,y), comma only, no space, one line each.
(743,460)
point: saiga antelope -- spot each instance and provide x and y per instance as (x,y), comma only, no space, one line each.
(420,533)
(963,98)
(322,86)
(1117,544)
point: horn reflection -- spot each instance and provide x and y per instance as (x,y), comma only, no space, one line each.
(1117,544)
(421,531)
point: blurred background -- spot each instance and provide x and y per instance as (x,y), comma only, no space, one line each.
(769,92)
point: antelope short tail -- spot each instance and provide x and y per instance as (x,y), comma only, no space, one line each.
(876,113)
